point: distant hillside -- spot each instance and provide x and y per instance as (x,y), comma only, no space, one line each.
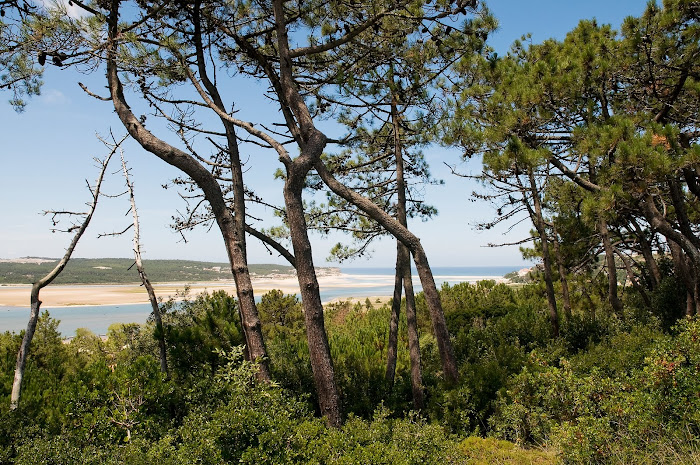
(116,271)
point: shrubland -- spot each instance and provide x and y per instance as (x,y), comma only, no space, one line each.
(610,389)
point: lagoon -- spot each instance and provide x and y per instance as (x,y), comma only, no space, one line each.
(352,282)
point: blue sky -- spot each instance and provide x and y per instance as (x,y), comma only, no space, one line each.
(47,153)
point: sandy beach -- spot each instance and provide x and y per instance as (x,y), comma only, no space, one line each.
(96,307)
(340,284)
(74,295)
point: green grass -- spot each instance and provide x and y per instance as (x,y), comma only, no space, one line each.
(491,451)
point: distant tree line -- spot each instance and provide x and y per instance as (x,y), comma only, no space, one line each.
(119,271)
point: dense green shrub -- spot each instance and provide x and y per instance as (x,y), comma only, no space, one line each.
(607,390)
(644,398)
(494,327)
(195,328)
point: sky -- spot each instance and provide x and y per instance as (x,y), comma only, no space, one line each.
(47,155)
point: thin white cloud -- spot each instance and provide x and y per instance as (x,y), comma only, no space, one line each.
(53,97)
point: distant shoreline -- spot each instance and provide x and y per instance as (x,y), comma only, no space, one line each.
(80,295)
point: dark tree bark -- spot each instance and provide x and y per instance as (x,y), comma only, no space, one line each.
(610,265)
(319,350)
(535,211)
(45,281)
(403,273)
(250,321)
(432,296)
(566,299)
(311,143)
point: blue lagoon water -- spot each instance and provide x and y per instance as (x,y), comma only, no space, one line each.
(96,318)
(355,282)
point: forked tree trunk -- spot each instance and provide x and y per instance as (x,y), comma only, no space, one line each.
(45,281)
(403,275)
(432,296)
(403,266)
(233,239)
(413,338)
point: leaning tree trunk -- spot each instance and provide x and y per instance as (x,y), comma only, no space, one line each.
(250,320)
(160,333)
(432,296)
(413,338)
(403,269)
(45,281)
(212,192)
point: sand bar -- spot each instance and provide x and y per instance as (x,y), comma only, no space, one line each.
(74,295)
(67,295)
(77,295)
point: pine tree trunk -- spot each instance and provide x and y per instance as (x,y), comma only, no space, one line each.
(319,349)
(549,285)
(392,344)
(403,269)
(610,265)
(413,337)
(538,220)
(212,192)
(432,296)
(237,247)
(566,299)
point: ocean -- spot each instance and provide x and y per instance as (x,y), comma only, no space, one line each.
(357,282)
